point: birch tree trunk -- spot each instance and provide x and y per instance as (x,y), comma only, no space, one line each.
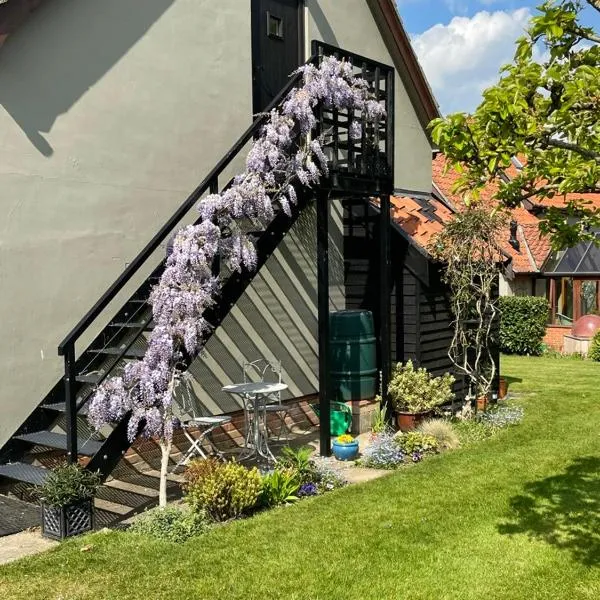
(165,447)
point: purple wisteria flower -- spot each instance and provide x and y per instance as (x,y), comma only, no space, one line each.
(285,153)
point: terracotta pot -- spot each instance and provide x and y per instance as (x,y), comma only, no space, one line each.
(409,421)
(502,388)
(482,403)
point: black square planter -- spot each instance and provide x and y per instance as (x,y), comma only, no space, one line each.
(60,522)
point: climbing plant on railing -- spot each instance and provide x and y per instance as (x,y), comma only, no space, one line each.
(285,154)
(468,248)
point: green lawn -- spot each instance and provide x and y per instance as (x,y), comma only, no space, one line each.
(515,516)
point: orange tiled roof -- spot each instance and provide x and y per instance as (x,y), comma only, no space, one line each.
(533,246)
(420,223)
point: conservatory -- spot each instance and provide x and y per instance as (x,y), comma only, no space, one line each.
(573,288)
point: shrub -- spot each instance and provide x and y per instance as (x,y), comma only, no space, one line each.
(443,431)
(300,461)
(416,390)
(382,453)
(280,487)
(522,324)
(416,444)
(223,490)
(68,484)
(171,524)
(594,351)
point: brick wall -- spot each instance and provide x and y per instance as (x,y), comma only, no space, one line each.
(554,336)
(230,436)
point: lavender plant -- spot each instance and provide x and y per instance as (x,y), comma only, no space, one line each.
(284,155)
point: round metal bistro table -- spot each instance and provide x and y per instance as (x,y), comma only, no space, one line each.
(255,397)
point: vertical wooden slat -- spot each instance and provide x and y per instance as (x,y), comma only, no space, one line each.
(384,294)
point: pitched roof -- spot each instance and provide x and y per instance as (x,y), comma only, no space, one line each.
(533,247)
(419,218)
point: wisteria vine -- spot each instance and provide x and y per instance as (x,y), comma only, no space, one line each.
(284,153)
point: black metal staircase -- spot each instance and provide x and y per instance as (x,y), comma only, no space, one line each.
(357,168)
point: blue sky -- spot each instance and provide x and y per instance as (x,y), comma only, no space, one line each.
(461,44)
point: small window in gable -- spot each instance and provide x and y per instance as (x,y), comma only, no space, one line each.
(274,26)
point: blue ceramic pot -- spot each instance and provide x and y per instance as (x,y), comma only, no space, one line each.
(345,451)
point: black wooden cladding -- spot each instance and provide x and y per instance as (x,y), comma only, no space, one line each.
(421,319)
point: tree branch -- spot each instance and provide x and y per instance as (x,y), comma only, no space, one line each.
(574,147)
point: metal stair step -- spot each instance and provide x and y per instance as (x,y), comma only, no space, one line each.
(130,324)
(24,472)
(52,439)
(61,407)
(92,378)
(116,351)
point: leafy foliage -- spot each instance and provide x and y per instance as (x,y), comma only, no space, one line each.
(222,490)
(544,110)
(171,524)
(468,248)
(280,487)
(300,461)
(416,390)
(379,422)
(443,431)
(413,442)
(594,351)
(68,484)
(523,324)
(472,431)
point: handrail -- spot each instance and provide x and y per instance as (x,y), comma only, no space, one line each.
(208,182)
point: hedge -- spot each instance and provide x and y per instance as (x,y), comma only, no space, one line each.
(523,324)
(594,351)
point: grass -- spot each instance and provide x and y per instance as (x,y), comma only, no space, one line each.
(513,516)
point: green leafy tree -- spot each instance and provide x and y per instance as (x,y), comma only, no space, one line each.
(545,108)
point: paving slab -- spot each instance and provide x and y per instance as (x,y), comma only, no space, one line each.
(25,543)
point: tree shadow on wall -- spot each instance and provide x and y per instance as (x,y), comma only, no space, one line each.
(61,51)
(562,510)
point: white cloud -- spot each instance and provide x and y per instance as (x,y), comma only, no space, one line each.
(463,57)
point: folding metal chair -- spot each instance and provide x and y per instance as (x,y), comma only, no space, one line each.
(191,417)
(264,370)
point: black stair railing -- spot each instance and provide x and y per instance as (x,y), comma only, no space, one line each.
(357,167)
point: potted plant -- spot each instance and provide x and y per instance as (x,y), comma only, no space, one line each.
(345,447)
(414,393)
(482,402)
(502,388)
(67,501)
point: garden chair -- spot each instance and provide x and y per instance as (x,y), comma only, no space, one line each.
(191,417)
(264,370)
